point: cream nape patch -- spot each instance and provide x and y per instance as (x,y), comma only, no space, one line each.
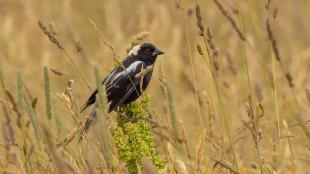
(134,51)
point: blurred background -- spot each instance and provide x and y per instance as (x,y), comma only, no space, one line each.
(243,68)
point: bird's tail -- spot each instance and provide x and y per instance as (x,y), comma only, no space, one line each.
(88,123)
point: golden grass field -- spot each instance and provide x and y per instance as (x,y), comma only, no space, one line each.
(237,104)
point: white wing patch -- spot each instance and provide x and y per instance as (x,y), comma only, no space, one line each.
(133,67)
(134,51)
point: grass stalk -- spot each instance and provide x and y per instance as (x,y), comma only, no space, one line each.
(169,101)
(106,136)
(276,100)
(53,37)
(31,113)
(48,102)
(212,70)
(2,80)
(20,102)
(105,42)
(275,49)
(185,26)
(57,120)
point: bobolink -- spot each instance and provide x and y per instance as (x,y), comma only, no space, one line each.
(126,83)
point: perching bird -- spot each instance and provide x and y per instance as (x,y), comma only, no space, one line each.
(126,82)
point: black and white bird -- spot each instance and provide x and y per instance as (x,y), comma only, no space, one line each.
(125,84)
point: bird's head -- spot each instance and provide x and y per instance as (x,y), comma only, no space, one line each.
(146,52)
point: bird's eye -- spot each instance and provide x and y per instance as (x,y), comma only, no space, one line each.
(148,51)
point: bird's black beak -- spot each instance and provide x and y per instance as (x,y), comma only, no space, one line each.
(157,52)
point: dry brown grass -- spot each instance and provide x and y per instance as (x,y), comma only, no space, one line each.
(231,94)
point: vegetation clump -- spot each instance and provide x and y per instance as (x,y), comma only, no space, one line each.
(133,137)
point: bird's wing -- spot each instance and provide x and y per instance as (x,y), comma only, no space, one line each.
(123,84)
(120,77)
(92,98)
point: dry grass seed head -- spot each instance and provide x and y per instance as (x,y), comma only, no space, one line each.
(137,39)
(199,49)
(199,19)
(15,109)
(276,52)
(267,4)
(230,19)
(200,151)
(214,49)
(57,72)
(51,33)
(7,130)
